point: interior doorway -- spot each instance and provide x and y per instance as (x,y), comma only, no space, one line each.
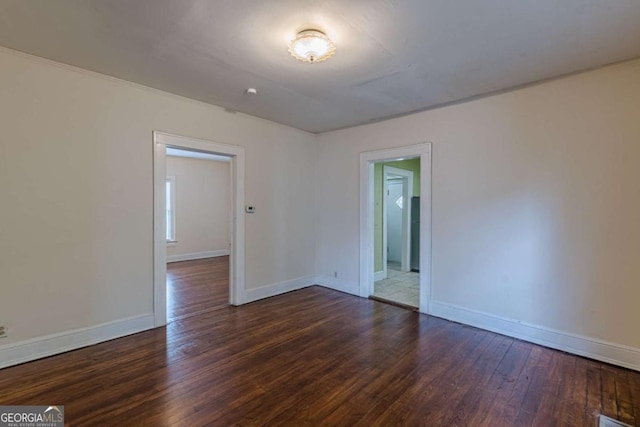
(395,202)
(398,195)
(198,206)
(397,191)
(235,155)
(415,209)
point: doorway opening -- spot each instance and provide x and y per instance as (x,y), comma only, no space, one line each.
(198,206)
(396,231)
(228,261)
(395,225)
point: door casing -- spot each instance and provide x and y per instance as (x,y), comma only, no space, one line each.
(367,160)
(161,141)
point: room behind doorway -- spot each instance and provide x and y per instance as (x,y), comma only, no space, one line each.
(396,231)
(198,205)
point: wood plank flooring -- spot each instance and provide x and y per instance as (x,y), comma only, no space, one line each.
(197,286)
(317,357)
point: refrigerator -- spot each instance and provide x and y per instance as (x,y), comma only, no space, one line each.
(415,234)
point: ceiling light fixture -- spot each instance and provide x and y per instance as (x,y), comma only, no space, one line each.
(311,46)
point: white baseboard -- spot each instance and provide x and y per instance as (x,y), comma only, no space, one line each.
(197,255)
(616,354)
(37,348)
(277,288)
(349,287)
(379,275)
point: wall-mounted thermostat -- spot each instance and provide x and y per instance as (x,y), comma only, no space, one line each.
(250,209)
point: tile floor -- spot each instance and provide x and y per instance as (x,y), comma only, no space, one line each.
(399,286)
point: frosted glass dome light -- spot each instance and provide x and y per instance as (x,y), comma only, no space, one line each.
(311,46)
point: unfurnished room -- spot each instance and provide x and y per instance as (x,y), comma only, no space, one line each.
(320,213)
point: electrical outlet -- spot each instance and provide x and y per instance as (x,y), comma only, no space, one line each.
(3,331)
(335,274)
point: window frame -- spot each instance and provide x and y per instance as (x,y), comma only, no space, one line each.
(170,208)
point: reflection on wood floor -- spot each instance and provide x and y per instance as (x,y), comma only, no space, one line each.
(197,286)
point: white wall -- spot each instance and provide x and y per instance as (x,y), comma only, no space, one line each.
(76,189)
(203,207)
(536,203)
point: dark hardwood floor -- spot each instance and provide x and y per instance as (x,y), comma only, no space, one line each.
(197,286)
(317,357)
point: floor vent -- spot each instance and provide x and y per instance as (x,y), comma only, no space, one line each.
(610,422)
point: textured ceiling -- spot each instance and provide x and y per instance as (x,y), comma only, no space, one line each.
(393,57)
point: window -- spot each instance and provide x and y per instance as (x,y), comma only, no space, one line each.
(170,191)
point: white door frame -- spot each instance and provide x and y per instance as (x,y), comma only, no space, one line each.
(236,259)
(407,193)
(367,160)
